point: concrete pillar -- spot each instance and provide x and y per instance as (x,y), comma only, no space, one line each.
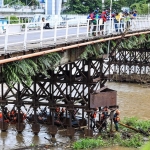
(1,2)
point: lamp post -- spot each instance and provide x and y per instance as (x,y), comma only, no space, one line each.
(148,7)
(103,5)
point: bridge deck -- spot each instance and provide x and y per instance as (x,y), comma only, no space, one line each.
(18,39)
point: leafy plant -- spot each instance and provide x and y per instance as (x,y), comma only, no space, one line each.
(146,146)
(88,143)
(13,19)
(135,141)
(24,70)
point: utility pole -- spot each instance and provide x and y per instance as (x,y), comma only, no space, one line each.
(103,5)
(148,7)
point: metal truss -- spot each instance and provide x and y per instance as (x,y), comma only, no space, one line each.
(68,86)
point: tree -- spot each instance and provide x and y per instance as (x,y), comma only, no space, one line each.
(21,2)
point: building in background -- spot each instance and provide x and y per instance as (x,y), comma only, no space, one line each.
(1,3)
(52,7)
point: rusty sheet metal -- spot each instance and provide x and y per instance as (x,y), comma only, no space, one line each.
(3,126)
(105,98)
(70,131)
(88,132)
(35,128)
(52,129)
(20,127)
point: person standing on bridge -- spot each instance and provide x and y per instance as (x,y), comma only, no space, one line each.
(117,22)
(127,21)
(92,20)
(133,19)
(104,18)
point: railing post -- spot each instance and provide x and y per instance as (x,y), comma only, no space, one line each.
(104,28)
(66,31)
(55,33)
(112,26)
(41,35)
(6,38)
(25,36)
(87,31)
(78,26)
(97,25)
(8,19)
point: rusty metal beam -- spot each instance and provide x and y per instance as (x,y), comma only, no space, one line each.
(67,47)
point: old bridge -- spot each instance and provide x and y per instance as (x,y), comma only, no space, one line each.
(66,67)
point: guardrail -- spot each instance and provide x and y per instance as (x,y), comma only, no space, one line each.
(19,37)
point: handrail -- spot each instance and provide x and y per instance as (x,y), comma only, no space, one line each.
(66,48)
(23,34)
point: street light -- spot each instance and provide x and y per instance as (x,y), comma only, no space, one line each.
(103,5)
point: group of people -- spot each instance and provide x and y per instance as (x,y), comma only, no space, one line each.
(104,115)
(12,116)
(59,114)
(121,20)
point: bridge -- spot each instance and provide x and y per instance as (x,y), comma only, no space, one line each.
(21,10)
(67,67)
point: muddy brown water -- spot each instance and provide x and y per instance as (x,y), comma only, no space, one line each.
(132,99)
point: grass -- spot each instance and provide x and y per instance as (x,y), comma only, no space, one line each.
(88,143)
(146,146)
(134,140)
(138,124)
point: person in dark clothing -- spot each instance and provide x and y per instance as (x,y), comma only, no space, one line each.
(116,120)
(46,26)
(103,120)
(93,118)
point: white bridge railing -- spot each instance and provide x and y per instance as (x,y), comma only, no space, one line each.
(26,36)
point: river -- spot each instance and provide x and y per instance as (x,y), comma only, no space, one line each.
(133,100)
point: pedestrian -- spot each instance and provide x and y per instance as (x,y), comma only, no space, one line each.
(45,26)
(133,18)
(104,18)
(103,119)
(127,21)
(116,119)
(93,118)
(117,22)
(94,21)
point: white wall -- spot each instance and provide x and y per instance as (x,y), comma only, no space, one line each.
(1,2)
(58,4)
(53,7)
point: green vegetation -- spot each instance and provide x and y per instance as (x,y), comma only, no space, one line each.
(86,6)
(13,19)
(24,70)
(89,143)
(91,51)
(126,137)
(146,146)
(97,50)
(21,2)
(134,122)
